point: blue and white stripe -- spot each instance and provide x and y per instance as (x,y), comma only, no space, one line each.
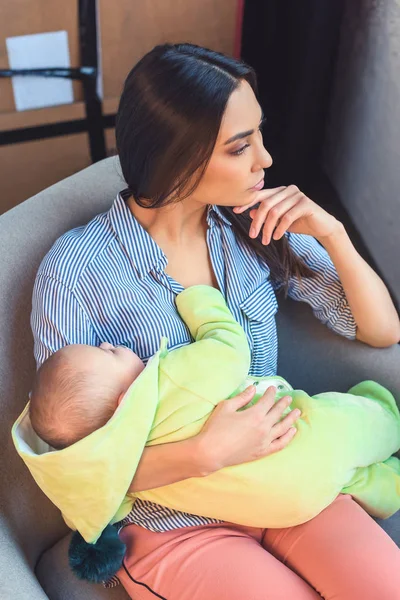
(106,282)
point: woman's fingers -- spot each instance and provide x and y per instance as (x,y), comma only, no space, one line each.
(272,410)
(241,399)
(283,426)
(267,193)
(269,213)
(281,442)
(294,213)
(268,407)
(278,218)
(267,404)
(275,414)
(267,400)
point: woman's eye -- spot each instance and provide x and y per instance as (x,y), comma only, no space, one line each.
(241,150)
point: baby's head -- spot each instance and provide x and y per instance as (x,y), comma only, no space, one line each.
(78,389)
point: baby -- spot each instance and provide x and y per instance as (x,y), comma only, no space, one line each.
(78,389)
(99,406)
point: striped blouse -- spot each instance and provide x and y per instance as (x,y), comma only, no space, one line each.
(106,281)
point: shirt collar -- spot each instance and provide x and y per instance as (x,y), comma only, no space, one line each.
(140,246)
(214,214)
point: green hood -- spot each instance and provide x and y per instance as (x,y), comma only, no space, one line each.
(89,480)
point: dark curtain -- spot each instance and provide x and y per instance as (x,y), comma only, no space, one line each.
(292,44)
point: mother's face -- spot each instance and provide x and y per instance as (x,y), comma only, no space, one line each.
(229,177)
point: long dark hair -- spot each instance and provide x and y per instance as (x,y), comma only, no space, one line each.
(167,123)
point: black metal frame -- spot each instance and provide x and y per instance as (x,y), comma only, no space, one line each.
(95,122)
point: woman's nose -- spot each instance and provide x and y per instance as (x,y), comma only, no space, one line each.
(264,160)
(106,346)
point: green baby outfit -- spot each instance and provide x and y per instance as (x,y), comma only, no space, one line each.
(344,442)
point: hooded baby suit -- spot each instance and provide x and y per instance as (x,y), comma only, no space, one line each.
(343,444)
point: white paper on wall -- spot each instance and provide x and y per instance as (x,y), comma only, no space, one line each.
(40,50)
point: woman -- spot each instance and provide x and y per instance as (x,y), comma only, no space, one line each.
(191,151)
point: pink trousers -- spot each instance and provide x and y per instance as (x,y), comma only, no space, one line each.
(341,554)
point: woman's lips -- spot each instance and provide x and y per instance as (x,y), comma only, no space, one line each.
(259,185)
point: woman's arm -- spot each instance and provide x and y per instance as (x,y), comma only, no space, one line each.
(287,209)
(229,437)
(168,463)
(377,320)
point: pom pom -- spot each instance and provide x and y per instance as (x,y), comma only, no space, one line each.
(96,562)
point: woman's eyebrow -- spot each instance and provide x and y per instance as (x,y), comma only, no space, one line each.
(243,134)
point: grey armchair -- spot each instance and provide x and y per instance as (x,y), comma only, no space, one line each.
(33,537)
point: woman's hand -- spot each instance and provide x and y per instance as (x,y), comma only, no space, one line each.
(288,209)
(230,437)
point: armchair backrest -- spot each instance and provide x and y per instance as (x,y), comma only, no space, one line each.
(26,234)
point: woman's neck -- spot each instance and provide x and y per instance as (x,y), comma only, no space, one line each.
(176,223)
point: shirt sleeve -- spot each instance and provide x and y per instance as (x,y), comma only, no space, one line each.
(324,293)
(57,319)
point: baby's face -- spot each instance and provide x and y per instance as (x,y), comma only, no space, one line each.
(118,366)
(119,362)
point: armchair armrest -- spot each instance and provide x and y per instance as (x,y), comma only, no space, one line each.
(17,578)
(314,358)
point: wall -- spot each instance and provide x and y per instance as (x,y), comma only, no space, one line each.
(127,30)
